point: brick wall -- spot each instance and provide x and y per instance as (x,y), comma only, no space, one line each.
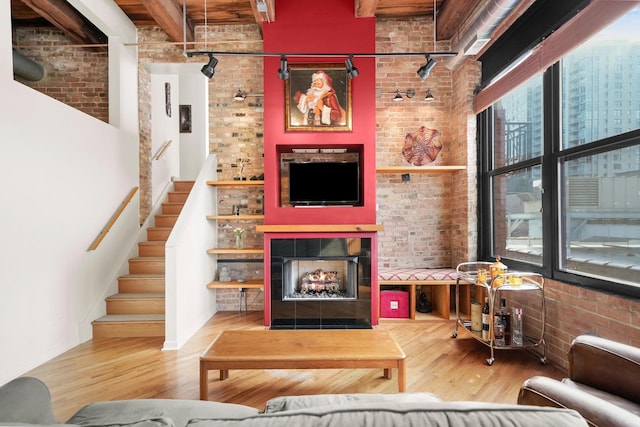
(417,215)
(74,76)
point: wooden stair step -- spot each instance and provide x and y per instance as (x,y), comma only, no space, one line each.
(146,265)
(171,208)
(183,185)
(141,283)
(177,196)
(136,303)
(153,248)
(129,325)
(158,233)
(166,220)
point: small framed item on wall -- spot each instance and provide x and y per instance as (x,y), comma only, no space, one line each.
(167,98)
(318,98)
(185,119)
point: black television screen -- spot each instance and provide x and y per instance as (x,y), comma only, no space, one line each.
(324,183)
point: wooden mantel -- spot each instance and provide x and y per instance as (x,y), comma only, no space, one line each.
(318,228)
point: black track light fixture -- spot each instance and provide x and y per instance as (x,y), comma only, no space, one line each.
(352,71)
(240,95)
(210,68)
(429,97)
(398,96)
(425,70)
(283,71)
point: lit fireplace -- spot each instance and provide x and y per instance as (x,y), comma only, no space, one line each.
(320,282)
(320,278)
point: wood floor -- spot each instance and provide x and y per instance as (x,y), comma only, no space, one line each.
(134,368)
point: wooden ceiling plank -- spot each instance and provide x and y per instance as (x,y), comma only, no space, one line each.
(168,15)
(68,20)
(366,8)
(451,16)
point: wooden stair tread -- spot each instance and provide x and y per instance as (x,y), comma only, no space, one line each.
(142,276)
(140,295)
(131,318)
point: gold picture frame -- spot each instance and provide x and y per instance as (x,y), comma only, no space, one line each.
(318,98)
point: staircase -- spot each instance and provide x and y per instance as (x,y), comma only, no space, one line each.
(137,310)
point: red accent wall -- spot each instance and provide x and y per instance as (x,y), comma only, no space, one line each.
(326,27)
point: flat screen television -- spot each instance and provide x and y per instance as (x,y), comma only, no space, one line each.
(324,183)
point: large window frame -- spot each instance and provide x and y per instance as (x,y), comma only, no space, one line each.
(551,162)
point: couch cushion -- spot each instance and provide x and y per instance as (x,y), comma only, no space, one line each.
(623,403)
(389,414)
(409,274)
(123,412)
(290,403)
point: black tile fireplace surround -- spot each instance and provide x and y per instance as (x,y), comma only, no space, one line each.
(346,304)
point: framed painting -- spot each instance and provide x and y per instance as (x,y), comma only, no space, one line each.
(185,118)
(318,98)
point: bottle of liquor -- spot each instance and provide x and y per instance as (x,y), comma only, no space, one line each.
(485,319)
(516,328)
(505,318)
(498,331)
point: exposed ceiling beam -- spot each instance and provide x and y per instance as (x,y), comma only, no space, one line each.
(451,17)
(263,10)
(68,20)
(366,8)
(168,15)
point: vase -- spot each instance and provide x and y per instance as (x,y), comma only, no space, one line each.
(239,241)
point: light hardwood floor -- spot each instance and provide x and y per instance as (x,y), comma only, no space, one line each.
(134,368)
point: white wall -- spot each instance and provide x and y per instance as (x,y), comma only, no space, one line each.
(164,130)
(65,173)
(188,303)
(192,90)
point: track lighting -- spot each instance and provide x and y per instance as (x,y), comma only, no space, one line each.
(210,69)
(425,70)
(352,71)
(429,96)
(410,93)
(240,95)
(283,71)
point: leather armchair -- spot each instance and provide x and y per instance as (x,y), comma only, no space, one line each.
(603,383)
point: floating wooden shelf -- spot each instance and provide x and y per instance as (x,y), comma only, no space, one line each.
(419,169)
(233,183)
(318,228)
(234,284)
(237,217)
(234,251)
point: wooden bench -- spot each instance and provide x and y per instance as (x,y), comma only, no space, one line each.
(438,279)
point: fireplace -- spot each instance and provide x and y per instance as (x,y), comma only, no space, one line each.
(320,278)
(320,283)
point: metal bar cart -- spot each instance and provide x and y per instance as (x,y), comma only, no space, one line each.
(476,273)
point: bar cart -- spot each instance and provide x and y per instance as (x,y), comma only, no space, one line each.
(477,273)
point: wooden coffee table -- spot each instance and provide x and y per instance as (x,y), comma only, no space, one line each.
(302,349)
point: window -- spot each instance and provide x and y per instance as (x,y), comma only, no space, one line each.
(560,183)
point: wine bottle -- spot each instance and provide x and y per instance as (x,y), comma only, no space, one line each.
(485,319)
(504,317)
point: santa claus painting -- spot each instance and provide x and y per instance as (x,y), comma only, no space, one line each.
(318,99)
